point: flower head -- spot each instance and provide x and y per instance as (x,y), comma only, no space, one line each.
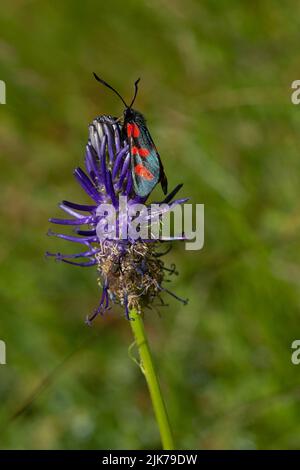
(131,272)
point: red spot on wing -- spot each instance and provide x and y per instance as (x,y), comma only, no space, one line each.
(132,130)
(136,130)
(142,152)
(129,129)
(142,171)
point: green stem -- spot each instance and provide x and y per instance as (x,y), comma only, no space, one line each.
(147,367)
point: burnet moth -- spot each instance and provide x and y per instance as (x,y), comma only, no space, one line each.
(146,166)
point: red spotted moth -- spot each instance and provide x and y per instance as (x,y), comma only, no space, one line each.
(146,166)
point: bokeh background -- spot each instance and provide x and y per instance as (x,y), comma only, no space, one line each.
(216,86)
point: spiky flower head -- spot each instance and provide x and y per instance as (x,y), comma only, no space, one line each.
(131,271)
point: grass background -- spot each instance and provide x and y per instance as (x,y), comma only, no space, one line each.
(215,88)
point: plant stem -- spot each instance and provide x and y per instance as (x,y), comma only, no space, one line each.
(147,367)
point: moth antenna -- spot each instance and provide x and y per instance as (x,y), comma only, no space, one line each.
(135,92)
(110,87)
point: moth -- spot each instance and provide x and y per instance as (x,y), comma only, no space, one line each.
(146,167)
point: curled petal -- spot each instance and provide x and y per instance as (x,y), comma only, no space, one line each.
(81,221)
(87,184)
(80,207)
(82,265)
(119,160)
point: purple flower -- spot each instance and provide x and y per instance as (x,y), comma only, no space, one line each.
(131,272)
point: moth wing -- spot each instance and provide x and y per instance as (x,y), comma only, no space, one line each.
(146,165)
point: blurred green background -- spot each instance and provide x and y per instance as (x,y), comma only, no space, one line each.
(215,88)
